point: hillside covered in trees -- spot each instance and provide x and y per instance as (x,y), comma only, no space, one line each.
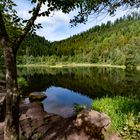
(116,43)
(112,43)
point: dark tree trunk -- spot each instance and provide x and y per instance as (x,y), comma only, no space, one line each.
(11,130)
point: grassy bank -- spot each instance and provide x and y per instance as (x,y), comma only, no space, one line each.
(124,113)
(73,65)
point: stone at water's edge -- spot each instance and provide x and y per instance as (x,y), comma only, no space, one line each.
(37,96)
(36,124)
(92,123)
(92,119)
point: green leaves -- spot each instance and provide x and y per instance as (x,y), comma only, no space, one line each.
(7,5)
(46,13)
(33,1)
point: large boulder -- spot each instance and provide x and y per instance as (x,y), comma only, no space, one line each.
(37,96)
(92,123)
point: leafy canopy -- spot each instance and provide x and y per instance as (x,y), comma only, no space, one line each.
(85,7)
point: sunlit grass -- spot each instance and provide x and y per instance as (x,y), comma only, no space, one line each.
(72,65)
(124,113)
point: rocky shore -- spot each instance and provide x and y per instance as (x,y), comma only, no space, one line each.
(37,124)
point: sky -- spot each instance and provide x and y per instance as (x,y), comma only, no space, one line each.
(57,26)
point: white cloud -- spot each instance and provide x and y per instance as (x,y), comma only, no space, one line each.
(24,14)
(51,25)
(54,18)
(57,26)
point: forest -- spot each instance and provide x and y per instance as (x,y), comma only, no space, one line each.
(115,43)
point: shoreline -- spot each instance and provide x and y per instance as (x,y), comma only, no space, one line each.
(73,65)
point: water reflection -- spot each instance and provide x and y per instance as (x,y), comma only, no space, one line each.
(61,101)
(66,86)
(94,82)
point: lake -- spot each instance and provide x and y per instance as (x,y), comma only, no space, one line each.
(66,87)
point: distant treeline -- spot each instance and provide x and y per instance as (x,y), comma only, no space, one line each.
(112,43)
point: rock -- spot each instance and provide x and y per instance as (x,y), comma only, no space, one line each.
(114,137)
(92,123)
(35,123)
(36,110)
(37,96)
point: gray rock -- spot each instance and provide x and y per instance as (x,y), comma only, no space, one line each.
(37,96)
(92,123)
(35,123)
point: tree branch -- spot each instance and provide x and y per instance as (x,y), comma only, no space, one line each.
(28,26)
(3,33)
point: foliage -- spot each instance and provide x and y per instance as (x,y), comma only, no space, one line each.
(124,113)
(34,45)
(77,108)
(98,7)
(132,128)
(111,43)
(22,82)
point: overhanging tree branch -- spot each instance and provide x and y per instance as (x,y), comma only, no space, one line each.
(28,26)
(3,33)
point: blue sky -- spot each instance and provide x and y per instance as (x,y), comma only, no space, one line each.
(57,27)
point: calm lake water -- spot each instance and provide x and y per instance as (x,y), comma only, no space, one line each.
(66,86)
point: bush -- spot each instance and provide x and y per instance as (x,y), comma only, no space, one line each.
(22,82)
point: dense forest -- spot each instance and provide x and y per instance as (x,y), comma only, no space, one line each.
(114,43)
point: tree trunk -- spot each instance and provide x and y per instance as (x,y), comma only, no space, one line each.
(11,130)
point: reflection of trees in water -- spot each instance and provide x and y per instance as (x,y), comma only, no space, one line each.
(95,82)
(132,83)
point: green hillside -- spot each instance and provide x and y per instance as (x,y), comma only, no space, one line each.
(116,43)
(109,43)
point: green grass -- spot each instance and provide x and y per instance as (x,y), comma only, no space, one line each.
(124,113)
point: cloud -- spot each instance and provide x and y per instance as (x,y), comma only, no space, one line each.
(24,14)
(57,26)
(54,18)
(54,27)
